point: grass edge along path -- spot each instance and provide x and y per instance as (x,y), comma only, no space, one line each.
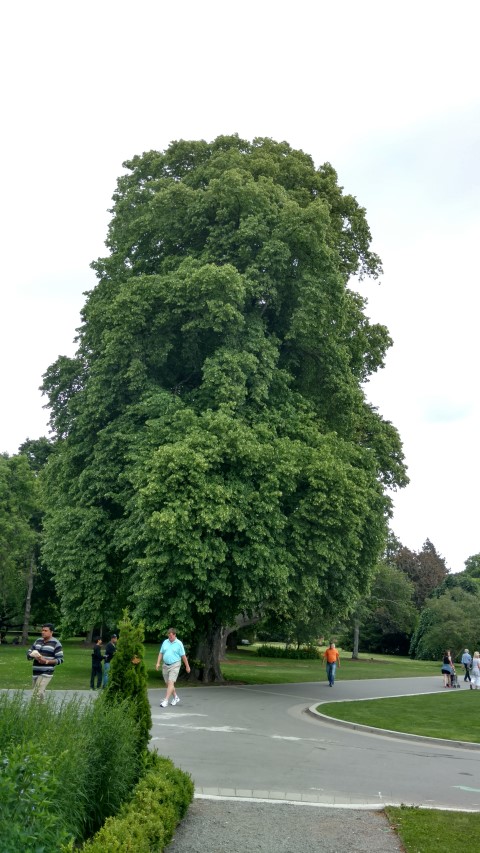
(435,831)
(242,666)
(449,716)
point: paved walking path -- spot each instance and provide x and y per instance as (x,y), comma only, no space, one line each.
(271,778)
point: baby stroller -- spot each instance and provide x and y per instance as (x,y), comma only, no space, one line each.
(454,680)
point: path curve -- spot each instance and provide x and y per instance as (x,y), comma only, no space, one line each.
(258,742)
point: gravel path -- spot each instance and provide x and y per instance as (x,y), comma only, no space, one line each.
(223,826)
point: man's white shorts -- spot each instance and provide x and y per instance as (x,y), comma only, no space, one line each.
(170,671)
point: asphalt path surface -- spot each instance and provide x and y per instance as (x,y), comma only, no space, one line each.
(272,776)
(260,743)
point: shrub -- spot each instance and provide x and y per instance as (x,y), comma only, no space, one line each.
(127,678)
(304,653)
(89,745)
(29,821)
(146,823)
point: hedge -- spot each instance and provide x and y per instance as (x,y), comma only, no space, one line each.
(304,653)
(147,822)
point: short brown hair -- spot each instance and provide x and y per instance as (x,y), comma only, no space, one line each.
(172,631)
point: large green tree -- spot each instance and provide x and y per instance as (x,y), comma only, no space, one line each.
(450,618)
(426,569)
(20,530)
(216,456)
(385,619)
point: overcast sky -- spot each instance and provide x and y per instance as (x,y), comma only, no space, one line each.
(387,92)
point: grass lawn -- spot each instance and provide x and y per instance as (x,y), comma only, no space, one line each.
(452,715)
(429,831)
(74,674)
(242,665)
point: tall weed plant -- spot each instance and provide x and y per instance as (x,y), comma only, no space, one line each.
(89,752)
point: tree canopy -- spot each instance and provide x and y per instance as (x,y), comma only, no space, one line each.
(387,616)
(426,569)
(20,514)
(216,454)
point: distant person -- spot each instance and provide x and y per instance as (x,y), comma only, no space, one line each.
(97,660)
(333,660)
(475,672)
(466,661)
(46,653)
(110,650)
(172,653)
(448,669)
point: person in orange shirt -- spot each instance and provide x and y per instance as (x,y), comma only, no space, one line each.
(333,658)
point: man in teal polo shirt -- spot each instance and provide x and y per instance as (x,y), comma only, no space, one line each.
(172,653)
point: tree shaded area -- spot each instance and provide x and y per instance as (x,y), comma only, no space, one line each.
(216,455)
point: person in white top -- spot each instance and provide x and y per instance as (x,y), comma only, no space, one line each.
(475,672)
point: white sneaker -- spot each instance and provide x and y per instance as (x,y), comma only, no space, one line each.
(175,700)
(164,704)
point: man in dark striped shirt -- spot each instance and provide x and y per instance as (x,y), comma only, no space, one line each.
(46,653)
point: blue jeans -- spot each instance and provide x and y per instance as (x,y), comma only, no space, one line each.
(331,667)
(106,667)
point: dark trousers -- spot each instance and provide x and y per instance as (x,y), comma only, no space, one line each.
(96,671)
(467,673)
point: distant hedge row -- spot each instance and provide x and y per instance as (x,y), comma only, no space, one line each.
(304,653)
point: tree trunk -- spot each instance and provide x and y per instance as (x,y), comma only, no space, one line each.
(28,601)
(356,638)
(209,651)
(212,648)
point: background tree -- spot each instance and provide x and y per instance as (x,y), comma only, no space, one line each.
(472,566)
(215,453)
(20,528)
(386,617)
(449,621)
(42,602)
(426,569)
(37,452)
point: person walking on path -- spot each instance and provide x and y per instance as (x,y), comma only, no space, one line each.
(172,653)
(466,663)
(110,650)
(333,659)
(448,669)
(475,682)
(46,653)
(97,660)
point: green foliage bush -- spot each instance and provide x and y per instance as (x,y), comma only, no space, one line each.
(127,678)
(29,788)
(304,653)
(146,823)
(89,752)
